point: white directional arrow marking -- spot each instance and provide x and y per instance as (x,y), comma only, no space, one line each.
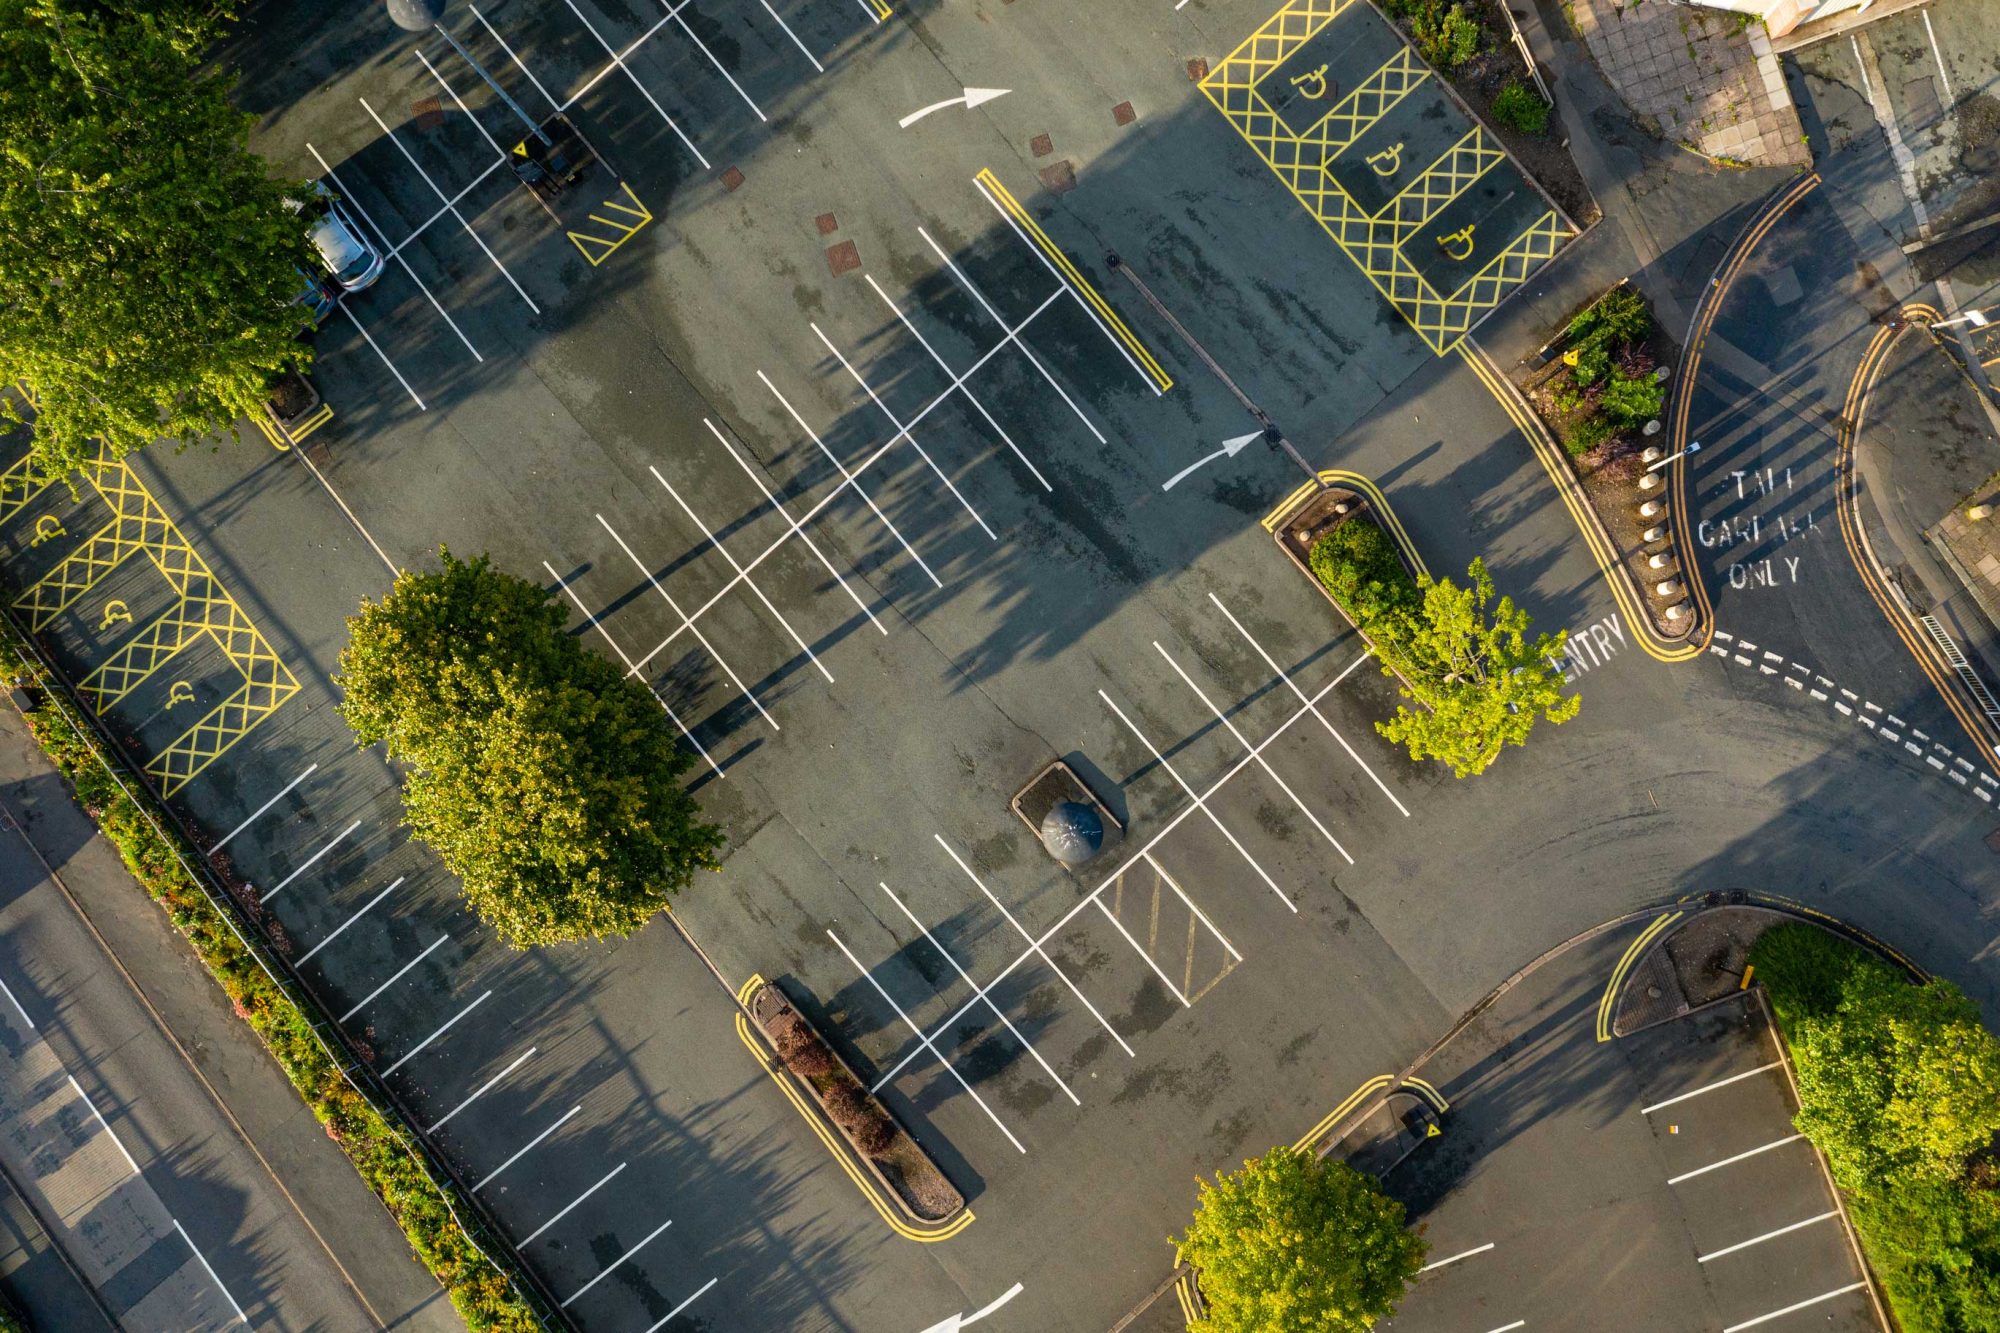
(958,1321)
(1229,449)
(973,97)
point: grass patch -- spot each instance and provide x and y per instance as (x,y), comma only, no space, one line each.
(1899,1086)
(480,1291)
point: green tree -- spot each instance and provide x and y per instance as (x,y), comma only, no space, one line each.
(147,260)
(544,777)
(1293,1244)
(1481,683)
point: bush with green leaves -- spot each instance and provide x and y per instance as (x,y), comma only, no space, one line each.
(1358,563)
(1295,1244)
(1899,1086)
(1631,400)
(1519,107)
(1446,38)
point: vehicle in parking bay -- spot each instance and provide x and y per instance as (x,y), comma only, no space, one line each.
(346,254)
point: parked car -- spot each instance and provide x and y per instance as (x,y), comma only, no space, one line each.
(343,247)
(315,299)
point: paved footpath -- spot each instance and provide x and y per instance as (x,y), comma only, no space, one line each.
(113,1131)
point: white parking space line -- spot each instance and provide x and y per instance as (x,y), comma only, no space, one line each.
(688,624)
(777,19)
(464,110)
(311,861)
(483,1089)
(1944,76)
(673,1313)
(573,1203)
(350,921)
(1035,947)
(1013,334)
(348,196)
(104,1124)
(450,207)
(526,73)
(675,14)
(523,1151)
(1769,1235)
(995,1009)
(1463,1254)
(443,1028)
(950,1068)
(381,355)
(230,836)
(1281,674)
(618,60)
(743,573)
(1709,1087)
(400,972)
(634,670)
(605,1272)
(8,992)
(958,383)
(1262,763)
(241,1318)
(793,524)
(1731,1161)
(1255,753)
(1791,1309)
(1509,1328)
(902,431)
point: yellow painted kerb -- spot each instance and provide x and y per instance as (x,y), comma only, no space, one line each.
(1354,481)
(1625,962)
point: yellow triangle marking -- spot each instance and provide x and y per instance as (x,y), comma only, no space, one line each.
(521,148)
(1432,1131)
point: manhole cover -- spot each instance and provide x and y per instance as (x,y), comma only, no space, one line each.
(1993,840)
(1059,178)
(427,112)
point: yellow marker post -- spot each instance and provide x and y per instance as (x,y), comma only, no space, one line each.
(1749,970)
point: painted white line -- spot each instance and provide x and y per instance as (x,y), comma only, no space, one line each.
(572,1205)
(381,355)
(606,1271)
(1767,1318)
(1894,738)
(349,197)
(1746,645)
(1189,903)
(450,207)
(104,1124)
(1173,988)
(1944,77)
(350,921)
(1824,682)
(1509,1328)
(1989,780)
(1719,652)
(311,861)
(241,1318)
(1865,721)
(819,68)
(797,531)
(393,980)
(1818,696)
(1845,711)
(675,14)
(1850,696)
(484,1088)
(1013,334)
(748,582)
(1223,829)
(1769,671)
(619,61)
(1918,734)
(958,383)
(1731,1161)
(230,836)
(1964,764)
(631,668)
(704,1286)
(902,431)
(1741,660)
(1035,947)
(1983,794)
(919,1033)
(1794,684)
(689,625)
(1721,634)
(1958,777)
(1794,666)
(1708,1087)
(997,1011)
(1769,1235)
(1873,708)
(1894,721)
(4,989)
(524,1149)
(445,1027)
(1463,1254)
(465,110)
(1930,759)
(1262,763)
(525,71)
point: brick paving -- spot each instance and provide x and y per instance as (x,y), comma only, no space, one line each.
(1698,76)
(1974,547)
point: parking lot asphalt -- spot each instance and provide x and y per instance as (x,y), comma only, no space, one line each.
(884,529)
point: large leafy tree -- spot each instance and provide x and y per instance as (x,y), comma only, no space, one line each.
(1481,682)
(544,777)
(1294,1244)
(147,259)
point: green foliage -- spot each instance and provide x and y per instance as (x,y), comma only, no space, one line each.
(1446,38)
(1481,682)
(1899,1085)
(480,1293)
(147,261)
(1293,1244)
(1520,107)
(1358,564)
(1619,315)
(1612,388)
(1588,433)
(1629,400)
(543,776)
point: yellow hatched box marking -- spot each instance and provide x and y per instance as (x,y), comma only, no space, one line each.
(622,228)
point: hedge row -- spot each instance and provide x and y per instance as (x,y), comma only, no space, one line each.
(480,1292)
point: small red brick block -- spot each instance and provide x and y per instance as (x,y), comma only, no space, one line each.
(1197,70)
(732,179)
(843,258)
(1041,145)
(826,224)
(1059,177)
(1123,114)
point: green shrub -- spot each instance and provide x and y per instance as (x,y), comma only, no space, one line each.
(1519,107)
(1357,563)
(1629,400)
(1618,316)
(1447,38)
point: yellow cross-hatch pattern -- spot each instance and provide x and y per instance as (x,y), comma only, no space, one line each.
(618,229)
(1374,241)
(202,610)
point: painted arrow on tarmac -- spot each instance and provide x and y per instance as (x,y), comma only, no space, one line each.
(973,97)
(958,1321)
(1229,449)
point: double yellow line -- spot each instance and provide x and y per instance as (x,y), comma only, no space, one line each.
(1380,1083)
(1354,481)
(1625,962)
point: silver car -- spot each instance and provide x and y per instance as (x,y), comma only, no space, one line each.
(343,248)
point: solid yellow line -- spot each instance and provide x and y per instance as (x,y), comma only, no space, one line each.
(1368,488)
(1435,1097)
(861,1182)
(1332,1117)
(1070,274)
(1630,956)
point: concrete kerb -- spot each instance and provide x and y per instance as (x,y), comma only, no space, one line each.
(370,1088)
